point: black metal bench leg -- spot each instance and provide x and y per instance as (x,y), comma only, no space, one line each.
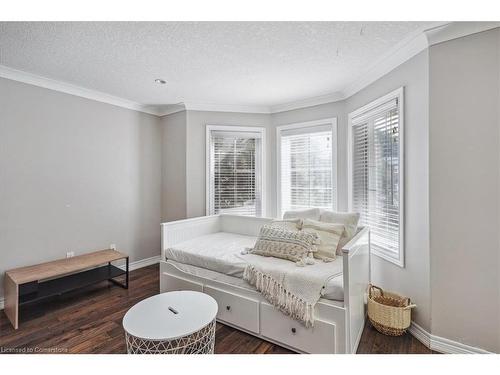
(126,276)
(123,285)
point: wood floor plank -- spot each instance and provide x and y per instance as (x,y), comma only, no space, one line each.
(89,320)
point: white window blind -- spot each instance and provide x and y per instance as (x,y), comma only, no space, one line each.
(235,173)
(376,176)
(306,168)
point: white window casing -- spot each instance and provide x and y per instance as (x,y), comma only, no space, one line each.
(235,170)
(376,173)
(307,165)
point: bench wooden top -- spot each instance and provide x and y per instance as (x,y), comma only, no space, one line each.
(63,267)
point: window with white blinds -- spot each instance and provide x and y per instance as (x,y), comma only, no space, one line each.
(377,178)
(235,171)
(307,168)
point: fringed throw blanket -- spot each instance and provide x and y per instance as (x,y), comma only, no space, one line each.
(294,290)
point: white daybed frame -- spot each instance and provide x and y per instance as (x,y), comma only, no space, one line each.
(338,326)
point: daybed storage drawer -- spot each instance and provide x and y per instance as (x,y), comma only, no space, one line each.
(237,310)
(276,326)
(169,283)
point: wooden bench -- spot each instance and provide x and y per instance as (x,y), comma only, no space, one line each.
(30,284)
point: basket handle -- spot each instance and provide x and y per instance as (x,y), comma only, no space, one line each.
(409,305)
(374,287)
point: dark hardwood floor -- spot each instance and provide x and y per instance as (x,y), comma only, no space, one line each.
(89,321)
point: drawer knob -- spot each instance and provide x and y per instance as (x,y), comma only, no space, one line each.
(294,330)
(228,308)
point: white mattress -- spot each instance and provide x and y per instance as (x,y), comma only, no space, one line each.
(220,253)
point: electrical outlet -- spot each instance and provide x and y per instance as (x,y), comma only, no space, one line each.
(112,246)
(70,254)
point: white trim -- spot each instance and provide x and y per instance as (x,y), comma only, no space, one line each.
(413,44)
(404,50)
(441,344)
(456,30)
(420,334)
(235,128)
(165,110)
(68,88)
(212,107)
(142,263)
(301,125)
(308,102)
(2,303)
(399,95)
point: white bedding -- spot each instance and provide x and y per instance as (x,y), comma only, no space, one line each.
(221,253)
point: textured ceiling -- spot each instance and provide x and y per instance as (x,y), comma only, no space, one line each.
(241,63)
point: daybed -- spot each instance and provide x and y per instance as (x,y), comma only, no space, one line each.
(202,254)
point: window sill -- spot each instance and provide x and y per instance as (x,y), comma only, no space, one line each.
(388,257)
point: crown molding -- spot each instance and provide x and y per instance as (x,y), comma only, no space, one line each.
(454,30)
(68,88)
(309,102)
(403,51)
(191,106)
(169,109)
(412,45)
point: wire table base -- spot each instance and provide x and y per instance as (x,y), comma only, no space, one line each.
(199,342)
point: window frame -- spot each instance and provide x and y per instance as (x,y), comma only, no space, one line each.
(208,163)
(397,94)
(332,121)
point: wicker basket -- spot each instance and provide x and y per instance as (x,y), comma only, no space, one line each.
(389,313)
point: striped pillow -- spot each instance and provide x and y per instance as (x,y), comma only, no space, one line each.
(284,243)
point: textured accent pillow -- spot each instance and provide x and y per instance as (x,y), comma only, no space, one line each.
(311,213)
(292,224)
(329,237)
(348,219)
(285,244)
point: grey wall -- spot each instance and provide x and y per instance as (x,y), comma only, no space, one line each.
(76,175)
(414,279)
(464,189)
(173,188)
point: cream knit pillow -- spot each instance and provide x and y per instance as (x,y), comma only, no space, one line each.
(329,236)
(292,224)
(310,213)
(348,219)
(283,243)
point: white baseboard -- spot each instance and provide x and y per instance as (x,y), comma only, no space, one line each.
(132,266)
(142,263)
(420,334)
(442,345)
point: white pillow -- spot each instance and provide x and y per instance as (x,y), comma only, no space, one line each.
(311,213)
(329,236)
(292,224)
(348,219)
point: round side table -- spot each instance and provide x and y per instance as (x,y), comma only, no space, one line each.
(180,322)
